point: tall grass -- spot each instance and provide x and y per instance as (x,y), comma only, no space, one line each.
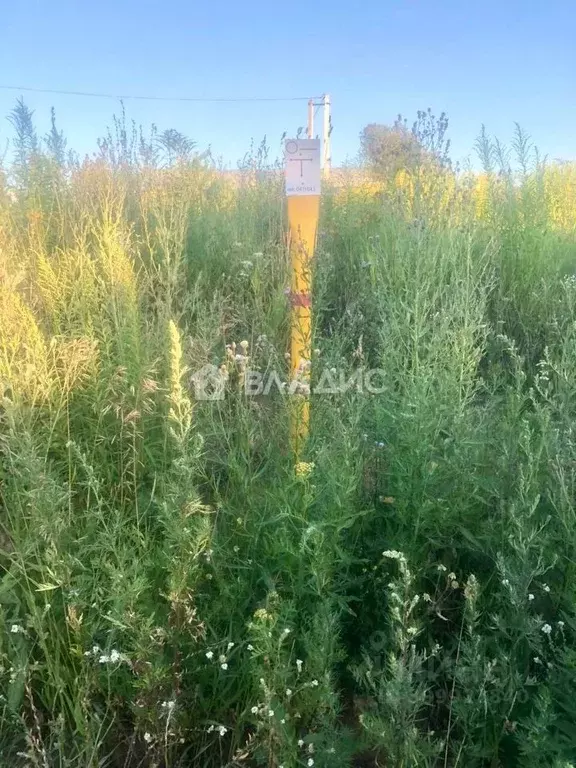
(174,590)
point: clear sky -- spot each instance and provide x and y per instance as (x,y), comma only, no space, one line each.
(480,61)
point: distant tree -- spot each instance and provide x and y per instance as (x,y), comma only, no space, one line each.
(388,149)
(55,141)
(175,146)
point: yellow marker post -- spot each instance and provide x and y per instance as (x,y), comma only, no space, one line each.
(303,201)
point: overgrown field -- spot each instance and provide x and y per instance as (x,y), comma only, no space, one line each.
(177,590)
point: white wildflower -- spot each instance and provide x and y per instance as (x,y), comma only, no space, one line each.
(530,597)
(299,663)
(545,587)
(310,762)
(254,710)
(300,742)
(506,582)
(250,647)
(270,713)
(222,730)
(115,657)
(288,692)
(210,729)
(314,683)
(546,628)
(393,554)
(209,655)
(147,737)
(16,629)
(230,645)
(224,666)
(561,624)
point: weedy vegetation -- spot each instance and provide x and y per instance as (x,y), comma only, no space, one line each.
(175,588)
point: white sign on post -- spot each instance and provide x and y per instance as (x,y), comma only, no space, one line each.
(302,158)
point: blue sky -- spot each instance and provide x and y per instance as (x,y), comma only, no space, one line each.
(482,62)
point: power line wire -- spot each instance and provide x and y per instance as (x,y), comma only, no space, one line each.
(154,98)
